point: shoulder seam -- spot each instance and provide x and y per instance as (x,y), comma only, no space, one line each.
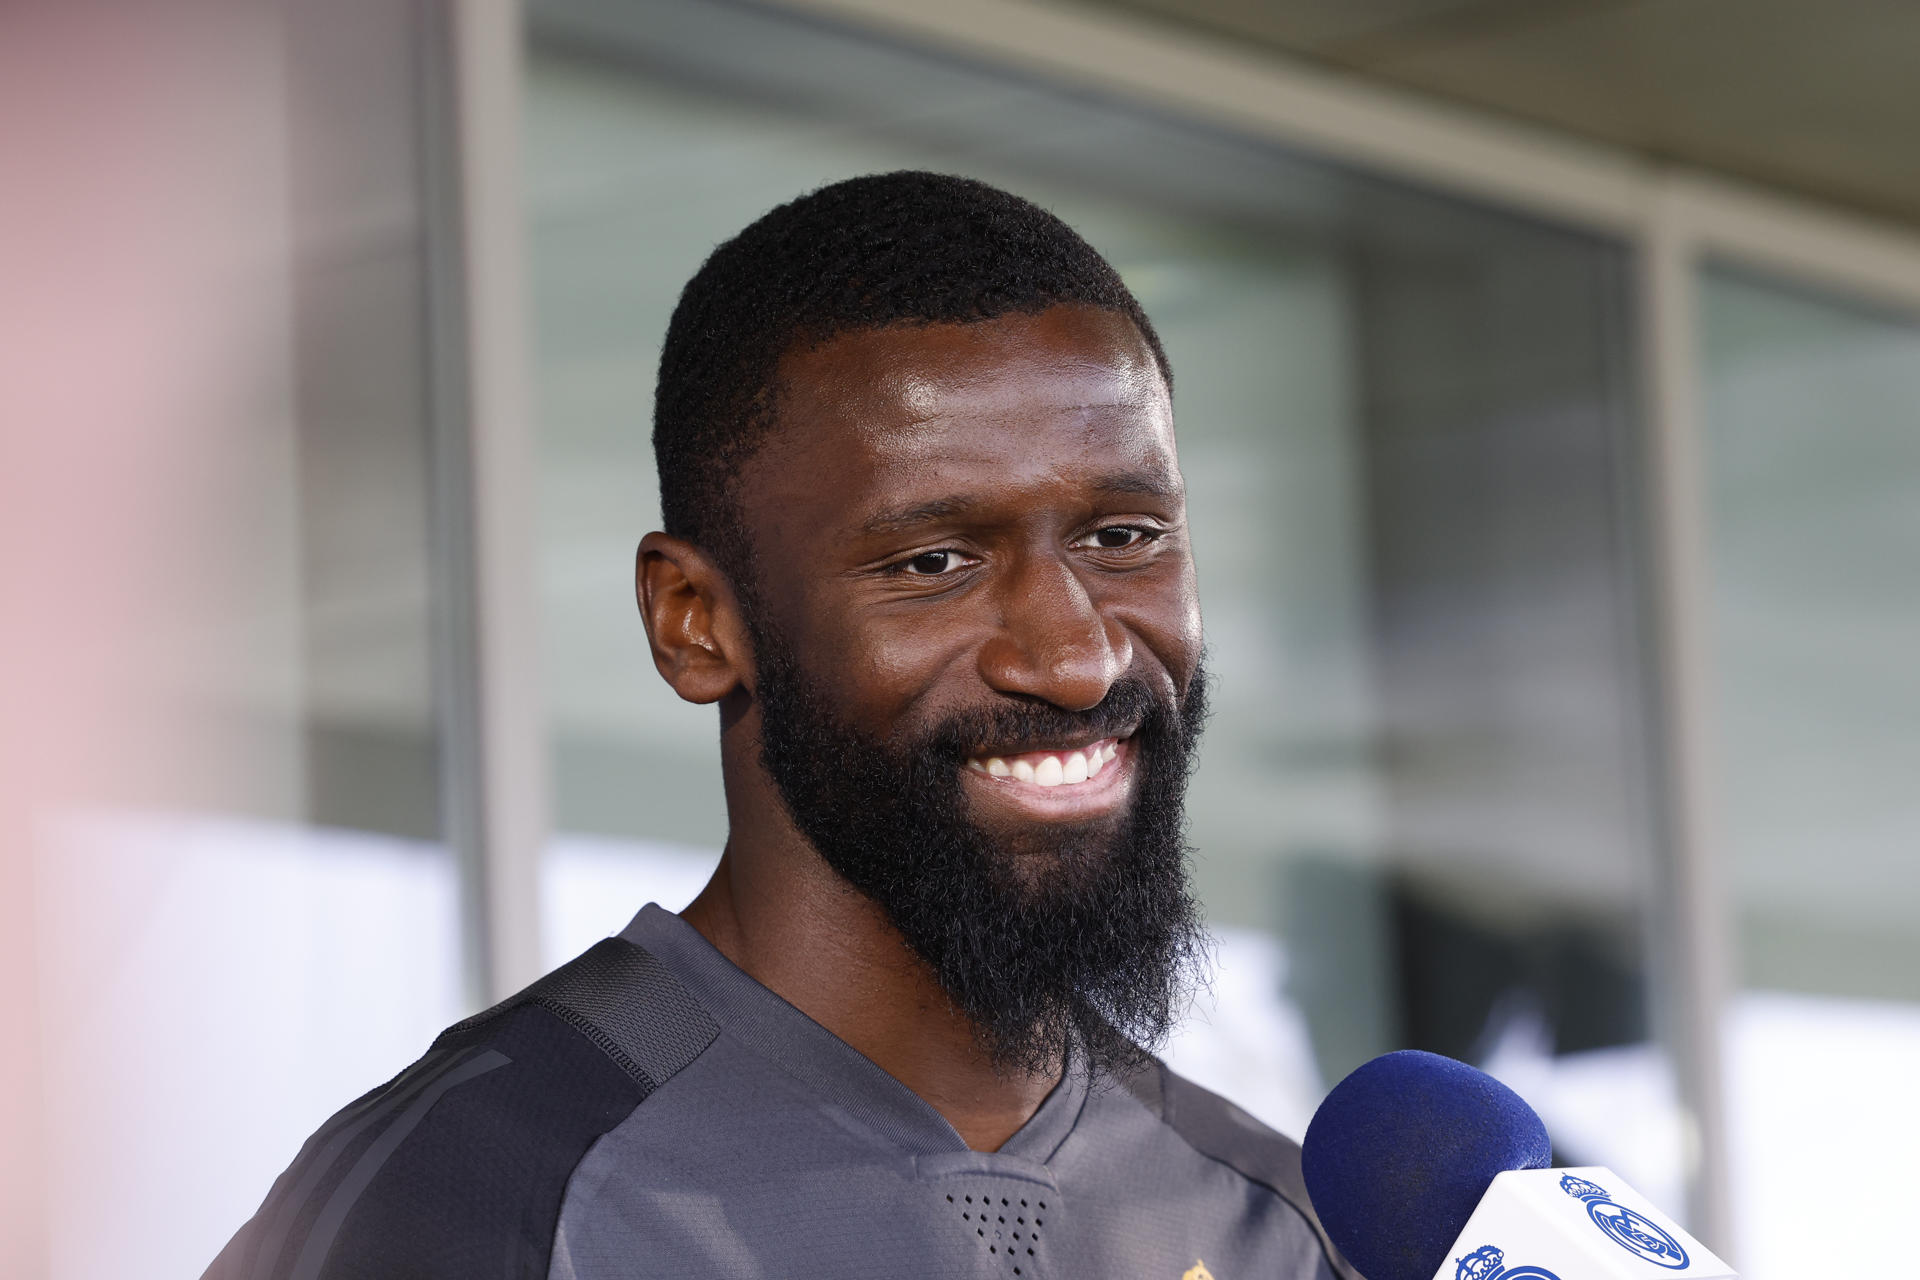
(1278,1193)
(1157,1105)
(601,1041)
(627,1004)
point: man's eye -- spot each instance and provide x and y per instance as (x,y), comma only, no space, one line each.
(930,564)
(1117,536)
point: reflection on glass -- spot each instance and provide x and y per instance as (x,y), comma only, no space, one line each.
(1418,815)
(1813,430)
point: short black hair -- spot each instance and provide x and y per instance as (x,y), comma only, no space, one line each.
(893,248)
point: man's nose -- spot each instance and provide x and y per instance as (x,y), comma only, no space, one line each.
(1053,643)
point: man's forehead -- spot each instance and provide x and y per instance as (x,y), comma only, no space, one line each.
(1073,378)
(1064,357)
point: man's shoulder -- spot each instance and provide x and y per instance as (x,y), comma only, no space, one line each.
(1227,1135)
(460,1163)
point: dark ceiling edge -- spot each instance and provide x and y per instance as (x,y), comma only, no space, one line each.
(1224,40)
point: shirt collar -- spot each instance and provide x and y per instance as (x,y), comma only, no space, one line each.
(847,1079)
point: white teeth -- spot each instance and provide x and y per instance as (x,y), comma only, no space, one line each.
(1050,769)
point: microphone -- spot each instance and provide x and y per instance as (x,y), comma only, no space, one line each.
(1423,1168)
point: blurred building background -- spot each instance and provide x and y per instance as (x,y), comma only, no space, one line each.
(1549,405)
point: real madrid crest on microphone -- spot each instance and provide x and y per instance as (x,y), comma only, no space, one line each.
(1634,1232)
(1488,1263)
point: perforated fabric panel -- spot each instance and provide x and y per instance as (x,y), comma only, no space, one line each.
(1008,1221)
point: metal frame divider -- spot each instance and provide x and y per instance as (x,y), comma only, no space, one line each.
(1698,947)
(493,743)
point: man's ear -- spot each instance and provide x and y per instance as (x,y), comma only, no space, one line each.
(693,621)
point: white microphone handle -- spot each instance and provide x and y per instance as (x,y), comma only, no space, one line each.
(1574,1224)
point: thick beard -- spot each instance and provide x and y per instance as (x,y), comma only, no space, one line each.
(1081,937)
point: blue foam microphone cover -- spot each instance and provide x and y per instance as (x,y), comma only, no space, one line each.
(1402,1150)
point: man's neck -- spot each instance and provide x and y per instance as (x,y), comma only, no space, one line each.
(828,951)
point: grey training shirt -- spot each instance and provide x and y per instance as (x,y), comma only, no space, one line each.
(650,1110)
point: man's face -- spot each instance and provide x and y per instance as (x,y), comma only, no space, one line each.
(978,657)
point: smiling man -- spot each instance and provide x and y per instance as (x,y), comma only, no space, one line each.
(926,551)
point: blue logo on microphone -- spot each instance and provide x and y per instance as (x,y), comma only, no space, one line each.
(1486,1263)
(1634,1232)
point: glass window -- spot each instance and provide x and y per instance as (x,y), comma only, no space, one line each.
(1813,428)
(1420,814)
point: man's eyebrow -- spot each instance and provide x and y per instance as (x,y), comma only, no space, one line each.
(1153,484)
(895,519)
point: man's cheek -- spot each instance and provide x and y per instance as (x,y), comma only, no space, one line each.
(894,682)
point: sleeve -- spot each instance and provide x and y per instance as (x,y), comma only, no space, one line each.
(458,1166)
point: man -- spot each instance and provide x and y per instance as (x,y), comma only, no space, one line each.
(926,551)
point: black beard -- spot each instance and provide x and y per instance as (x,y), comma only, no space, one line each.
(1064,937)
